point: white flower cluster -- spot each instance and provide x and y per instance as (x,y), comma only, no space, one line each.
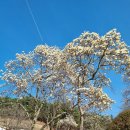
(26,59)
(14,80)
(42,68)
(81,90)
(22,83)
(41,50)
(37,77)
(97,98)
(109,46)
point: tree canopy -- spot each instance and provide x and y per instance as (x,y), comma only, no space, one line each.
(76,74)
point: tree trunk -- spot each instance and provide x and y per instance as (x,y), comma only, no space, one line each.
(35,117)
(58,116)
(33,124)
(81,113)
(81,118)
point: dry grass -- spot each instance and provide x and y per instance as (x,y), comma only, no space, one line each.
(21,124)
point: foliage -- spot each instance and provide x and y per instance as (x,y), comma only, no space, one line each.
(46,113)
(95,121)
(121,122)
(12,115)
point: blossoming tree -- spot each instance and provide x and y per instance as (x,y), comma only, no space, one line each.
(38,74)
(90,56)
(77,72)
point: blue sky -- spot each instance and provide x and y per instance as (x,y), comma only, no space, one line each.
(60,21)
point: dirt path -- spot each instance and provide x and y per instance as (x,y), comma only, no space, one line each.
(39,125)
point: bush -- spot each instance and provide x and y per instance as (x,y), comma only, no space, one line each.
(94,121)
(121,122)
